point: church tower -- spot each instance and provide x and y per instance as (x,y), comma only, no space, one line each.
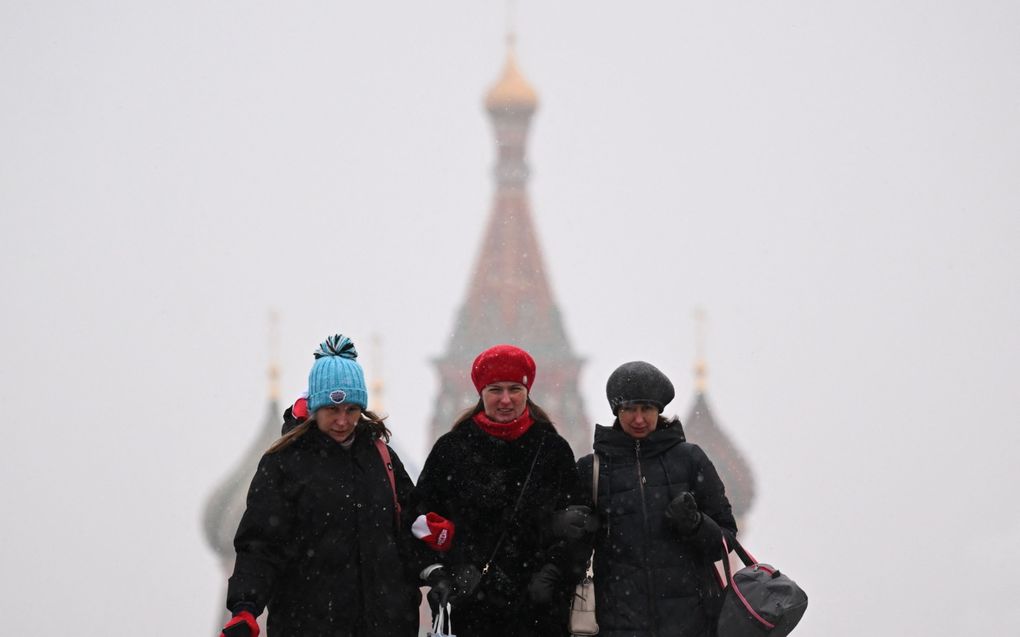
(701,428)
(224,508)
(509,299)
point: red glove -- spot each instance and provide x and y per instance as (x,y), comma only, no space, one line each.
(434,530)
(300,408)
(242,624)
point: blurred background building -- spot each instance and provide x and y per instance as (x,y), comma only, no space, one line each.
(509,300)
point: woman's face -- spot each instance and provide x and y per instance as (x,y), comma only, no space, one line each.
(338,421)
(504,402)
(638,420)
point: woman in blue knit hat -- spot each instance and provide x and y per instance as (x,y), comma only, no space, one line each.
(321,543)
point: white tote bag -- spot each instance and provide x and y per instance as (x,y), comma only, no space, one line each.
(442,623)
(582,606)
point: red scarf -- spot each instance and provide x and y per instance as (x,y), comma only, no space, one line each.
(505,430)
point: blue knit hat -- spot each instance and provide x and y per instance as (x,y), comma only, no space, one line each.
(336,376)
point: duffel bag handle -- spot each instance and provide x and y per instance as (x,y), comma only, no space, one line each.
(741,552)
(748,560)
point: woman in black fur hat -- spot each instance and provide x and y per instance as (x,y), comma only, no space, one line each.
(663,511)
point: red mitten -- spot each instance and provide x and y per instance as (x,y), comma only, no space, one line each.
(300,408)
(242,624)
(434,530)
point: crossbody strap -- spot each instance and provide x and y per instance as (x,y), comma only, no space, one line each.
(589,573)
(384,453)
(520,498)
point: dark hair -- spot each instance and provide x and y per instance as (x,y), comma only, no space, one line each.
(369,421)
(536,412)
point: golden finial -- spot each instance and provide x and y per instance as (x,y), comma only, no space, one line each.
(700,366)
(376,385)
(511,89)
(274,355)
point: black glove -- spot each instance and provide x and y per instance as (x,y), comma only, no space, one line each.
(573,522)
(544,584)
(683,512)
(442,589)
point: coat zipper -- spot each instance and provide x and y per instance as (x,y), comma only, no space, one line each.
(644,513)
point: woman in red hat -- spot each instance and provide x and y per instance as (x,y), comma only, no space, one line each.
(494,496)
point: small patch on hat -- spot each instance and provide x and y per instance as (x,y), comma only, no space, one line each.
(338,396)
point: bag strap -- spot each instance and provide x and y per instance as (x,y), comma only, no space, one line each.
(442,624)
(520,498)
(738,548)
(748,561)
(741,552)
(384,453)
(589,573)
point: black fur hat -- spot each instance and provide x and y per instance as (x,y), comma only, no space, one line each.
(638,382)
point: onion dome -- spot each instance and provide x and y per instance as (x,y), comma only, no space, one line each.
(701,428)
(512,90)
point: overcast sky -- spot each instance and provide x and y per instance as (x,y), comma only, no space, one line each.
(835,183)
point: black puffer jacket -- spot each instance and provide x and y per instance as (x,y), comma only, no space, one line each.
(474,480)
(318,543)
(650,581)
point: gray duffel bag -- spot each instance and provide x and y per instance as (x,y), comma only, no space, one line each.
(760,601)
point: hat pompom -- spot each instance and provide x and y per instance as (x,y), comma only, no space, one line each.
(336,376)
(337,345)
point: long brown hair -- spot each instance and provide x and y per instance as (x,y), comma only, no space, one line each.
(369,421)
(536,412)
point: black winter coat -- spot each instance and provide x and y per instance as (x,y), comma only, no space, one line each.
(318,543)
(649,580)
(475,479)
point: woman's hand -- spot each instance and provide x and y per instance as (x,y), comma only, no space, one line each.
(544,584)
(574,522)
(442,589)
(684,514)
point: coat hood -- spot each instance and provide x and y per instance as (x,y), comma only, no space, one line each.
(612,441)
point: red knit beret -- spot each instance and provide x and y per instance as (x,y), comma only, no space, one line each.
(503,364)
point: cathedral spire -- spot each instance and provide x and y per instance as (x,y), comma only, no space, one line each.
(376,385)
(700,366)
(702,429)
(509,299)
(274,356)
(225,505)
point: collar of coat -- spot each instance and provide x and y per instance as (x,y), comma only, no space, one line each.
(610,441)
(318,439)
